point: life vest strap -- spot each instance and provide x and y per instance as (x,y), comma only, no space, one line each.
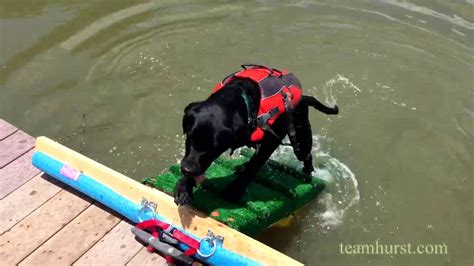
(263,118)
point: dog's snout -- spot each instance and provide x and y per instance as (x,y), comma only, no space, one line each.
(188,169)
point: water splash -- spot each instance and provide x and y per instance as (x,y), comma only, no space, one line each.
(341,195)
(340,87)
(342,191)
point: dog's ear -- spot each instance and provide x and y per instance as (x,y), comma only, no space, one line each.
(190,107)
(188,119)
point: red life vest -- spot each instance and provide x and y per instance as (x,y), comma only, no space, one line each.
(279,90)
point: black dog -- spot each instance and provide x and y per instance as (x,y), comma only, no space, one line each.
(224,121)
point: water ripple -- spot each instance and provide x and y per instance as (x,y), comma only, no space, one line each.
(456,20)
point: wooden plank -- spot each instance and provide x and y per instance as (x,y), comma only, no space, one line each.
(25,200)
(187,218)
(119,241)
(6,129)
(39,226)
(14,146)
(74,239)
(16,174)
(144,258)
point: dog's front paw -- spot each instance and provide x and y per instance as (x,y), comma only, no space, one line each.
(183,193)
(182,198)
(335,110)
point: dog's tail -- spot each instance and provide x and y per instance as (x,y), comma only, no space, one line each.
(311,101)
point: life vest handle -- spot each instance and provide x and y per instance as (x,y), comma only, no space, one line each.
(271,69)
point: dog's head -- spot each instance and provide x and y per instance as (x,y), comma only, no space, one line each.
(207,137)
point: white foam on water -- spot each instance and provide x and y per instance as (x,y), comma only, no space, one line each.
(454,19)
(341,86)
(336,87)
(340,79)
(458,32)
(341,193)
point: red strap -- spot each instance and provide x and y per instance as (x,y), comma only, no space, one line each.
(151,225)
(190,252)
(169,259)
(185,239)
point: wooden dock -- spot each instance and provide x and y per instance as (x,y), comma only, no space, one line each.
(44,223)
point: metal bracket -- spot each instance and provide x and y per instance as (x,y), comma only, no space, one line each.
(147,205)
(220,239)
(214,242)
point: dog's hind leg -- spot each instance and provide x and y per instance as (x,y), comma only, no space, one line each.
(303,137)
(235,190)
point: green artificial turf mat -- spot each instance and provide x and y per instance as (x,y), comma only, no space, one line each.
(276,193)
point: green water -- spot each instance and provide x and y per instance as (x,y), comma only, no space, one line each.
(110,79)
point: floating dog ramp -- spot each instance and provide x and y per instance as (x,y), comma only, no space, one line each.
(276,193)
